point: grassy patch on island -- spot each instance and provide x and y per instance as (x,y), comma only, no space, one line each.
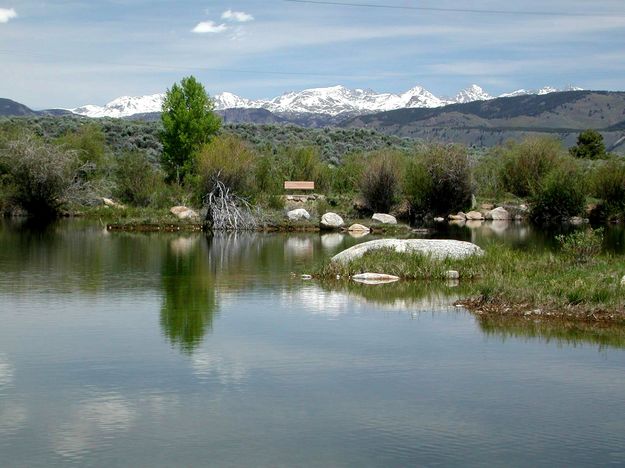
(512,282)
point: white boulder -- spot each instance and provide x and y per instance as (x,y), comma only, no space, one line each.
(331,221)
(498,214)
(384,218)
(434,248)
(458,217)
(298,214)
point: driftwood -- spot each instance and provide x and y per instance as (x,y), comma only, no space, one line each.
(226,211)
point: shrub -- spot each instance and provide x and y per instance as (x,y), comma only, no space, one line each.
(89,143)
(227,158)
(581,246)
(560,195)
(137,180)
(380,180)
(348,174)
(39,176)
(525,164)
(438,180)
(608,184)
(488,174)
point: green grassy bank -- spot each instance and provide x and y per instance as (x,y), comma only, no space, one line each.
(507,282)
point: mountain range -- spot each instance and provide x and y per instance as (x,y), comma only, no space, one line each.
(332,101)
(481,122)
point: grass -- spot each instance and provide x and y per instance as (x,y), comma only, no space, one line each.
(511,282)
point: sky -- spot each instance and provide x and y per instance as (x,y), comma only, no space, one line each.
(67,53)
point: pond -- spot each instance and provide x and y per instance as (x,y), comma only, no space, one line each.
(121,349)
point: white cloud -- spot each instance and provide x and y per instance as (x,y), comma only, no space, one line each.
(239,16)
(7,14)
(211,27)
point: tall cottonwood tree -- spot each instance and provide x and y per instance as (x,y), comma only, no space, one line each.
(188,123)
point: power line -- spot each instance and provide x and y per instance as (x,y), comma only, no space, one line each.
(450,10)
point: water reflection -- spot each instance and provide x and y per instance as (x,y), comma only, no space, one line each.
(6,372)
(189,297)
(92,424)
(335,297)
(560,332)
(171,350)
(212,366)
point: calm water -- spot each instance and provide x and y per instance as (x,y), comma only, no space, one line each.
(185,350)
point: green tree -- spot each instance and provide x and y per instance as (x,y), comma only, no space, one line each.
(589,145)
(189,122)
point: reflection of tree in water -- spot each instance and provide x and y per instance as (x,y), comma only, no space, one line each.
(189,301)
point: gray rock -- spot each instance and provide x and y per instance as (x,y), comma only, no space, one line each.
(623,282)
(384,218)
(183,212)
(375,276)
(576,221)
(331,221)
(498,214)
(438,219)
(435,248)
(298,214)
(458,217)
(487,206)
(452,275)
(474,216)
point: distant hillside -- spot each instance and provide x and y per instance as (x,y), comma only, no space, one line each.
(12,108)
(492,122)
(260,117)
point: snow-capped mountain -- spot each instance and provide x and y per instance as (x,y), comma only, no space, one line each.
(333,101)
(123,106)
(541,91)
(470,94)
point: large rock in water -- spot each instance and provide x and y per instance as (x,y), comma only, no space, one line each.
(384,218)
(474,216)
(435,248)
(498,213)
(331,221)
(298,214)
